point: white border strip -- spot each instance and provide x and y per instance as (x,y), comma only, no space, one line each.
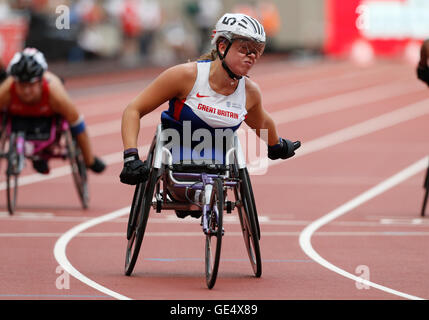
(61,257)
(307,233)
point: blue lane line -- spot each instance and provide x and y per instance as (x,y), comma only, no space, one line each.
(288,260)
(201,259)
(50,296)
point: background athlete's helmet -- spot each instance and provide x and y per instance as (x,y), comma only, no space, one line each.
(232,25)
(28,65)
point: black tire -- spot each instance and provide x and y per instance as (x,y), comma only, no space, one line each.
(136,237)
(425,199)
(246,174)
(135,209)
(78,169)
(426,186)
(12,172)
(3,140)
(214,234)
(247,216)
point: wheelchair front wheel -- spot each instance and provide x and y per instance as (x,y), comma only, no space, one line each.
(12,191)
(14,164)
(214,233)
(137,231)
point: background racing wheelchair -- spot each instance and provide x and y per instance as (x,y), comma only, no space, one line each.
(36,139)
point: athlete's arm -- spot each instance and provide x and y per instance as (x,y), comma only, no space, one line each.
(3,73)
(60,101)
(62,104)
(424,54)
(176,81)
(5,92)
(257,117)
(422,67)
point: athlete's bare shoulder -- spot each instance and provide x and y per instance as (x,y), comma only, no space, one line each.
(53,79)
(181,77)
(58,96)
(185,71)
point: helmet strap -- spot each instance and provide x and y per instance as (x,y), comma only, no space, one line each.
(231,74)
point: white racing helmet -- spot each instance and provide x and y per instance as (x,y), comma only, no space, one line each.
(28,65)
(232,25)
(239,27)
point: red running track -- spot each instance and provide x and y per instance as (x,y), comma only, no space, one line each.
(358,127)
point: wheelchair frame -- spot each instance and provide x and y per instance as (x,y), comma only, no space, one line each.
(60,144)
(153,194)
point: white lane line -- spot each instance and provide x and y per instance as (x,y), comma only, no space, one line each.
(229,219)
(114,126)
(65,170)
(383,121)
(340,101)
(403,222)
(300,112)
(61,257)
(27,215)
(228,233)
(297,113)
(308,232)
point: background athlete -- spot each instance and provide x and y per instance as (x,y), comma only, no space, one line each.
(32,91)
(422,67)
(220,82)
(3,73)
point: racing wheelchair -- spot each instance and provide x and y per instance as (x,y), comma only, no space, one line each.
(43,138)
(197,188)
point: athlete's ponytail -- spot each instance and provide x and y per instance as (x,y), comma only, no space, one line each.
(212,55)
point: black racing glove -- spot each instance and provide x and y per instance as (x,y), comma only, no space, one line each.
(3,74)
(283,150)
(423,74)
(98,165)
(135,170)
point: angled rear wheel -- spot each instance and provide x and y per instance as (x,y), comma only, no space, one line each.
(249,222)
(139,215)
(78,169)
(425,199)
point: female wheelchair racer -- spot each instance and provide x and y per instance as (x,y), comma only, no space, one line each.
(205,96)
(195,89)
